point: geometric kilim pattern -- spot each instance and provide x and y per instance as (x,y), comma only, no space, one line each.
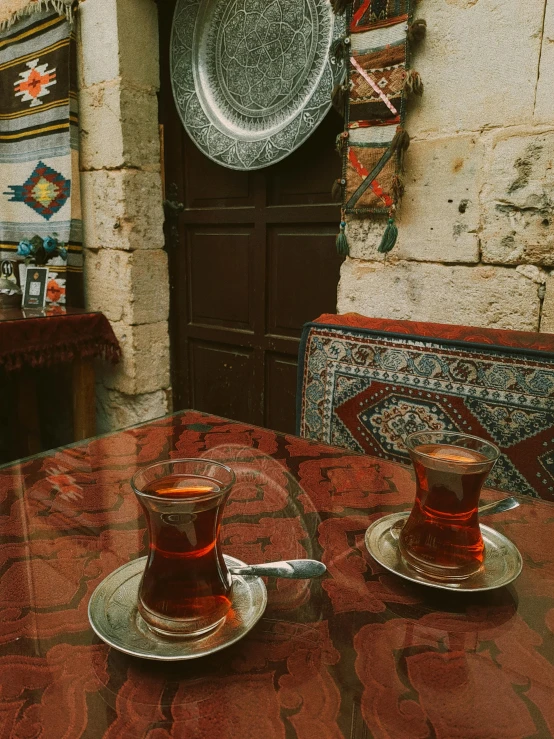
(39,143)
(34,83)
(367,390)
(45,191)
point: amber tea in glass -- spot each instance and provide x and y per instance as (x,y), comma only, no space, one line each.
(186,586)
(441,537)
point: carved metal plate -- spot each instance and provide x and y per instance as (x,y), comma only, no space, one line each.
(252,79)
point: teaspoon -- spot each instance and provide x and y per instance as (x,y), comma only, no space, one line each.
(295,569)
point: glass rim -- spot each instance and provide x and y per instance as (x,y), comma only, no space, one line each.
(191,498)
(454,434)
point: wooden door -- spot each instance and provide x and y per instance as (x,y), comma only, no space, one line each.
(251,257)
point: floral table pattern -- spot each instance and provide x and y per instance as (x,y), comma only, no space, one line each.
(357,654)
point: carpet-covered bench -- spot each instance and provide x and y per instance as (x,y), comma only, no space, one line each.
(364,383)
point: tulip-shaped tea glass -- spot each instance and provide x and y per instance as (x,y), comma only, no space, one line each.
(186,586)
(441,537)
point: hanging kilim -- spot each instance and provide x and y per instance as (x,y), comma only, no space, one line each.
(39,168)
(372,99)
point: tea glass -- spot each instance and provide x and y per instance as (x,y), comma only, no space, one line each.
(441,538)
(186,587)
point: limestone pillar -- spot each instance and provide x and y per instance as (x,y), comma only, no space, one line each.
(125,265)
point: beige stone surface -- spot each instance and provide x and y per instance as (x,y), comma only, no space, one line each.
(98,46)
(518,199)
(148,287)
(497,297)
(544,99)
(118,127)
(106,278)
(438,218)
(137,22)
(116,410)
(122,209)
(145,364)
(128,286)
(119,38)
(479,64)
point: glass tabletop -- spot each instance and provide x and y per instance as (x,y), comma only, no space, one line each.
(359,653)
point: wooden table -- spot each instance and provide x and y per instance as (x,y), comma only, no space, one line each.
(33,339)
(358,654)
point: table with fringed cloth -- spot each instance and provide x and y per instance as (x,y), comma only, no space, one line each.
(32,340)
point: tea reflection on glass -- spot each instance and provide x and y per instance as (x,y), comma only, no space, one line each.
(186,587)
(441,537)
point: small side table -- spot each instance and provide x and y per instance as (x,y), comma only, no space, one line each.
(31,339)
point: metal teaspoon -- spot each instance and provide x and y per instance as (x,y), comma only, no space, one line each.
(295,569)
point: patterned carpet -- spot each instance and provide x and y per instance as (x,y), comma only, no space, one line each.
(367,386)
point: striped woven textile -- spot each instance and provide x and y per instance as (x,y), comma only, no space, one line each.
(39,168)
(13,10)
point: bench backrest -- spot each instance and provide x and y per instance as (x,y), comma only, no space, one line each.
(365,383)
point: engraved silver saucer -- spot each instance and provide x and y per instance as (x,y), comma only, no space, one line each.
(114,617)
(501,566)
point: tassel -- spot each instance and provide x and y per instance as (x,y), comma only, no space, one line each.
(339,98)
(401,140)
(389,238)
(342,241)
(397,188)
(413,83)
(336,190)
(417,31)
(339,6)
(399,145)
(338,49)
(341,143)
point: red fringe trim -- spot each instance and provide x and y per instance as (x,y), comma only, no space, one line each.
(45,357)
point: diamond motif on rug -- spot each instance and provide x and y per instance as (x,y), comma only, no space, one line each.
(372,390)
(34,83)
(390,420)
(46,191)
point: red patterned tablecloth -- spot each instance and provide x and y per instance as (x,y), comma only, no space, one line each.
(357,654)
(54,335)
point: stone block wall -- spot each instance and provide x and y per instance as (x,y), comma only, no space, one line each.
(476,226)
(125,265)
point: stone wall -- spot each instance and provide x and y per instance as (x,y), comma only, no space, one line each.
(125,265)
(476,231)
(476,226)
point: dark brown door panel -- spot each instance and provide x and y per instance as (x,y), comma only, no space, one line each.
(224,380)
(302,276)
(251,257)
(280,392)
(220,281)
(208,185)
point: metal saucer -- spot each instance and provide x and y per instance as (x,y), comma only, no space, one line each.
(502,563)
(114,617)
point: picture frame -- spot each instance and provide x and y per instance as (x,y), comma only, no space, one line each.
(36,280)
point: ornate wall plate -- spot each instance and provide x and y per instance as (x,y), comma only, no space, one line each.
(252,79)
